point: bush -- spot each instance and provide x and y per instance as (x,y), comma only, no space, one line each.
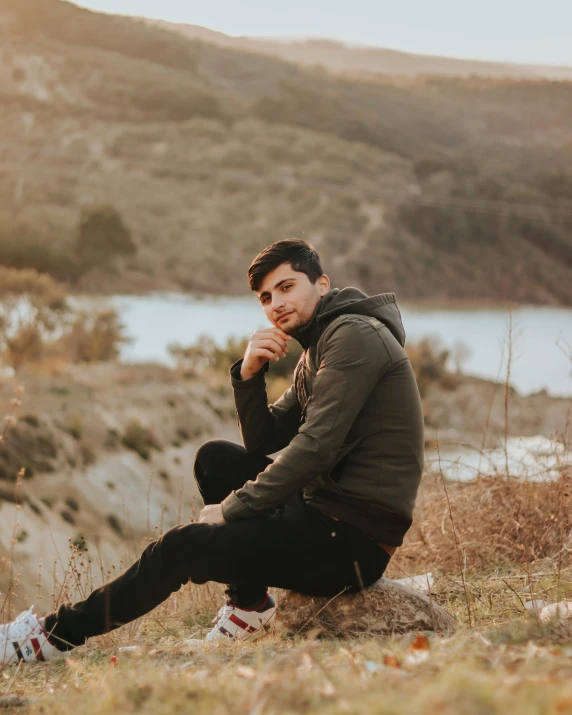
(33,307)
(94,337)
(72,503)
(429,363)
(140,439)
(115,524)
(24,446)
(102,236)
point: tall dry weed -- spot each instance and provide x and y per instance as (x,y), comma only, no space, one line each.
(498,523)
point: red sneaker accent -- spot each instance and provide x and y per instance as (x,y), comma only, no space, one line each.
(37,649)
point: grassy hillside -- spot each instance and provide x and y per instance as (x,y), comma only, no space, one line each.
(437,188)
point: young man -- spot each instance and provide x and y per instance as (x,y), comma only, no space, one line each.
(326,514)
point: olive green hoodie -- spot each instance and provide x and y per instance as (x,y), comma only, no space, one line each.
(350,427)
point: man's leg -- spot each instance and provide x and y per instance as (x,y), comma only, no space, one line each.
(220,468)
(296,548)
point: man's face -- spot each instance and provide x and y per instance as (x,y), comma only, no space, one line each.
(289,298)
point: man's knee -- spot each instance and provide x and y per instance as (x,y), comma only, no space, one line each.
(212,450)
(214,455)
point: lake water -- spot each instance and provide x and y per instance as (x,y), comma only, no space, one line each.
(540,335)
(533,459)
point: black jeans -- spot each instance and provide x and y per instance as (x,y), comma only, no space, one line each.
(295,547)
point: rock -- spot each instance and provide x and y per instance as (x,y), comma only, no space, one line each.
(535,607)
(385,608)
(560,611)
(423,582)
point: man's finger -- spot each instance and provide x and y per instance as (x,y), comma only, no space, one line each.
(272,331)
(264,353)
(278,346)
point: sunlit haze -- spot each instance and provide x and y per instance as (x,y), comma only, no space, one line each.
(503,30)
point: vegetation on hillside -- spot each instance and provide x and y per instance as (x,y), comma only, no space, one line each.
(38,323)
(437,188)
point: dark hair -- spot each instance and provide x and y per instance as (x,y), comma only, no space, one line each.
(299,254)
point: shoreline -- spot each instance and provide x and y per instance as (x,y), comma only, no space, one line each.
(429,305)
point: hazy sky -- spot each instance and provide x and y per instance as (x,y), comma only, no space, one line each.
(532,31)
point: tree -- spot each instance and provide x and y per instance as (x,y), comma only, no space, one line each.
(102,236)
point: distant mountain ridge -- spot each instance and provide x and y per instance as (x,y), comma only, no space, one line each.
(337,56)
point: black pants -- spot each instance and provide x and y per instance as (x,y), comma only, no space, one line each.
(295,547)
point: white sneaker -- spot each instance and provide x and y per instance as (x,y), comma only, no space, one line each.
(25,640)
(237,624)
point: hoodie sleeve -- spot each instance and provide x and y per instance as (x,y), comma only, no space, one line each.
(264,428)
(354,358)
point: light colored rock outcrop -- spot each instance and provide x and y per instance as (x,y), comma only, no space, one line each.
(384,609)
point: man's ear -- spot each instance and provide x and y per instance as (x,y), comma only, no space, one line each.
(323,285)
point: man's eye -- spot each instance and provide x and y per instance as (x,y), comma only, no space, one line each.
(287,287)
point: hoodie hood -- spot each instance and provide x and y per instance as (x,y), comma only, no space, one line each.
(382,307)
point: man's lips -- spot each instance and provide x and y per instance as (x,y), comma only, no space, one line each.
(284,315)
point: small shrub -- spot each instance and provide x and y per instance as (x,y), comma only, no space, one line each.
(22,536)
(88,454)
(102,236)
(32,307)
(115,524)
(31,448)
(68,517)
(79,543)
(112,439)
(31,420)
(72,503)
(94,337)
(74,428)
(140,439)
(60,391)
(429,363)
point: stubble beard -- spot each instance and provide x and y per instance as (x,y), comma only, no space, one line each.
(289,325)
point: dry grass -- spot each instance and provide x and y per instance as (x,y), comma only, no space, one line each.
(513,662)
(506,659)
(499,522)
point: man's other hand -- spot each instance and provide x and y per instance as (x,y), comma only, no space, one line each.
(264,345)
(212,514)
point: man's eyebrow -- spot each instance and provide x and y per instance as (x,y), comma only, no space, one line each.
(284,280)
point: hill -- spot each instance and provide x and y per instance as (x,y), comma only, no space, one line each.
(438,188)
(337,56)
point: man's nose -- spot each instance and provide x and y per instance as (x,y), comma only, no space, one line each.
(277,301)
